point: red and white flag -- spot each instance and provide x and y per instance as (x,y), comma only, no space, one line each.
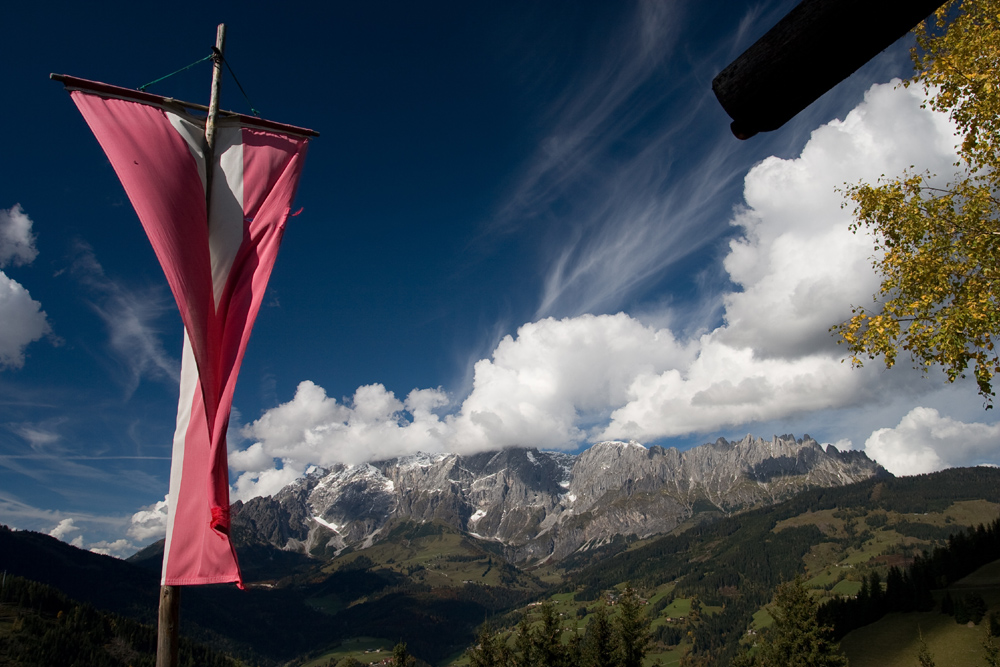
(217,251)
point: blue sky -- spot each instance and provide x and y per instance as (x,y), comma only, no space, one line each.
(524,224)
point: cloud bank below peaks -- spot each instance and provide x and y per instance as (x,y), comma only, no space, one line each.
(925,441)
(797,269)
(539,389)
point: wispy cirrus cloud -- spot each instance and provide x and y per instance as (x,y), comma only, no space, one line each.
(55,460)
(130,317)
(38,435)
(636,171)
(617,179)
(587,118)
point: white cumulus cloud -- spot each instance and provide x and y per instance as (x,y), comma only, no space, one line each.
(149,522)
(542,387)
(313,428)
(17,243)
(23,319)
(925,441)
(63,528)
(798,266)
(264,483)
(119,548)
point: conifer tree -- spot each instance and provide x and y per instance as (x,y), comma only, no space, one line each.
(947,604)
(897,595)
(993,624)
(524,653)
(877,599)
(796,639)
(598,644)
(401,657)
(633,629)
(573,651)
(961,611)
(923,600)
(548,639)
(693,620)
(490,649)
(975,607)
(863,595)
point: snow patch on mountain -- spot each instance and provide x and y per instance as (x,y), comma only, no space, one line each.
(331,526)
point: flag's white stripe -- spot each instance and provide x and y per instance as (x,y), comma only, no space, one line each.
(194,135)
(189,383)
(225,219)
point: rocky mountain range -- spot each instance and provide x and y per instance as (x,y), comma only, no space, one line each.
(539,505)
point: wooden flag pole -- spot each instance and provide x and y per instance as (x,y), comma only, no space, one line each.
(213,103)
(213,111)
(168,635)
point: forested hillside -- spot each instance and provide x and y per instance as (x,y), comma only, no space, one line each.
(41,627)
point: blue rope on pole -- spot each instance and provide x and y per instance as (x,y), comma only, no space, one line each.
(211,56)
(143,88)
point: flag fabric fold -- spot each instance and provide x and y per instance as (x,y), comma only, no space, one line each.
(215,225)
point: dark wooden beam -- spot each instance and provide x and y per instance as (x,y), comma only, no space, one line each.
(816,46)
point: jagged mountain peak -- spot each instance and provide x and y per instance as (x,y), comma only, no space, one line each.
(619,445)
(543,504)
(422,459)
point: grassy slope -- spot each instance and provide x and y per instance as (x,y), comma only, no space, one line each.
(362,649)
(892,641)
(438,556)
(832,569)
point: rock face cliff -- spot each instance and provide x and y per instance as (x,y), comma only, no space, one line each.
(543,505)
